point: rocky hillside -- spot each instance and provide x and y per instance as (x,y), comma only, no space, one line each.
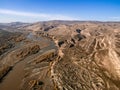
(87,56)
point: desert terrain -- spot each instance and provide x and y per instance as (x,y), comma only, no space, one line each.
(60,55)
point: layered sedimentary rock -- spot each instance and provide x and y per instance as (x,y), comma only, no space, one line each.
(87,56)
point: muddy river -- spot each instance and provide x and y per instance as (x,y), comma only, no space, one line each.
(13,79)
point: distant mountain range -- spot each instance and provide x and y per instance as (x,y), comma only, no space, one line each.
(18,26)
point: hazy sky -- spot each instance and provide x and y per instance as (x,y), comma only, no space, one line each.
(40,10)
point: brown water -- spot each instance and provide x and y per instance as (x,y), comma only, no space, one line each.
(14,78)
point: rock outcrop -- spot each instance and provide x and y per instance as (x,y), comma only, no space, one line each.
(87,56)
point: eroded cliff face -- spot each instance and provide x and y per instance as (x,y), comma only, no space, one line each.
(87,57)
(93,63)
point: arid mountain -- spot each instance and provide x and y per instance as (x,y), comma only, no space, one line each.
(14,24)
(87,56)
(13,27)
